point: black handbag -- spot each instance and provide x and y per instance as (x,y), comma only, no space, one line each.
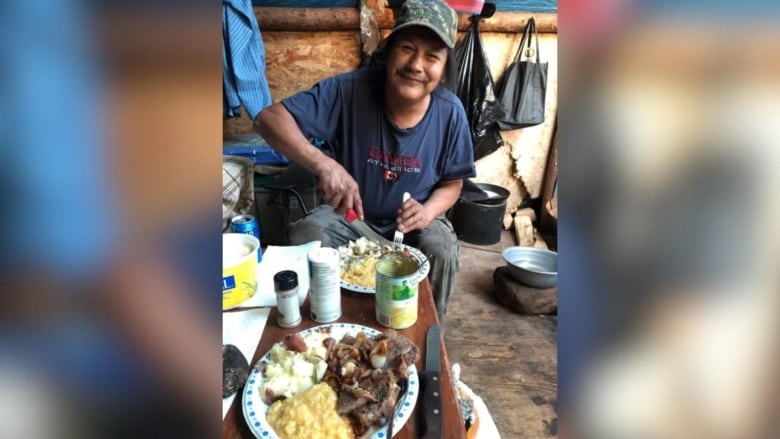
(524,85)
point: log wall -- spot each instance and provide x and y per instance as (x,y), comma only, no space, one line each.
(304,45)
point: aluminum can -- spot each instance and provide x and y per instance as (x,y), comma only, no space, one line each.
(249,225)
(397,281)
(325,284)
(287,306)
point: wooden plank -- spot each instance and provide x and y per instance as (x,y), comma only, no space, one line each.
(348,19)
(539,240)
(295,61)
(524,231)
(530,213)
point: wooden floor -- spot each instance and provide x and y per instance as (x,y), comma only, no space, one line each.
(508,359)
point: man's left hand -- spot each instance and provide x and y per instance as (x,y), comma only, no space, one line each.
(413,216)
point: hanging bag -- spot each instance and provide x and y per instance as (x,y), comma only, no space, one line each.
(525,84)
(476,92)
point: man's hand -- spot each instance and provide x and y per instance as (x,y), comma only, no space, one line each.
(339,189)
(413,216)
(279,129)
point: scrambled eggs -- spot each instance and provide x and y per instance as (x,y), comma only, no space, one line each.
(310,414)
(358,261)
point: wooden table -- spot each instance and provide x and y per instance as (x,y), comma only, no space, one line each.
(359,309)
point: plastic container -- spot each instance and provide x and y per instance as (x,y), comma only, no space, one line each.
(239,268)
(478,216)
(254,147)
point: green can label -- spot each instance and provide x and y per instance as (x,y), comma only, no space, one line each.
(397,284)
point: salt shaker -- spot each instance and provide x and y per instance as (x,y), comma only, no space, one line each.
(286,286)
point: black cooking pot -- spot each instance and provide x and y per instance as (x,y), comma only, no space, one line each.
(478,215)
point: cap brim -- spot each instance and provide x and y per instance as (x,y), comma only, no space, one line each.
(426,25)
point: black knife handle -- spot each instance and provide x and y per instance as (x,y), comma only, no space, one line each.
(431,415)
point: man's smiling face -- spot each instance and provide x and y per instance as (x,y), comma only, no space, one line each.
(415,63)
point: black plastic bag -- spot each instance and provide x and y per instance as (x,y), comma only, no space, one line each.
(476,91)
(524,85)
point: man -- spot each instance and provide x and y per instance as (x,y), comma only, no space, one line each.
(391,129)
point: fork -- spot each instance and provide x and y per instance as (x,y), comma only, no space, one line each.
(404,384)
(398,238)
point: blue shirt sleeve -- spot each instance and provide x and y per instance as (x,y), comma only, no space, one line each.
(243,60)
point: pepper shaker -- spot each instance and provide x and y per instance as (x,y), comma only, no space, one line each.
(286,286)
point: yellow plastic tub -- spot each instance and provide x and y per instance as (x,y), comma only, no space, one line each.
(239,268)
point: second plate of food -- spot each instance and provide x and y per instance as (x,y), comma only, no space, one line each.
(280,370)
(358,264)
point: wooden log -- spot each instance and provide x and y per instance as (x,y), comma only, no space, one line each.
(509,217)
(524,231)
(343,19)
(512,22)
(527,211)
(540,242)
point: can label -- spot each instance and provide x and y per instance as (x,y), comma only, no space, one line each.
(247,224)
(324,284)
(397,282)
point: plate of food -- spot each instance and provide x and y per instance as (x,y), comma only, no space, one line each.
(357,260)
(332,381)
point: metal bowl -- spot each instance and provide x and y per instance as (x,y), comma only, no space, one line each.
(535,267)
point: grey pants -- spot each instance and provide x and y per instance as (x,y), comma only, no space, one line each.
(438,242)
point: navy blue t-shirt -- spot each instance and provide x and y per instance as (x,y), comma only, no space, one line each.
(348,112)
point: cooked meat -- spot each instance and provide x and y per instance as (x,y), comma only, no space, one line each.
(378,384)
(295,343)
(349,402)
(400,347)
(270,398)
(367,394)
(365,417)
(387,405)
(329,343)
(359,392)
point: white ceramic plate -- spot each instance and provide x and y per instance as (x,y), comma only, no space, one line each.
(426,267)
(255,409)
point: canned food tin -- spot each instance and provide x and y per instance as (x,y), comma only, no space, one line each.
(397,279)
(247,224)
(325,285)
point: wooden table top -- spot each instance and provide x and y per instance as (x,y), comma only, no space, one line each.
(358,308)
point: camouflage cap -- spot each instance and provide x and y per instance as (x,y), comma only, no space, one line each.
(436,15)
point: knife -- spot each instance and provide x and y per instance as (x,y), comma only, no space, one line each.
(430,383)
(365,229)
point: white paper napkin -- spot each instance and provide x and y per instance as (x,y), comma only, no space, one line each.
(276,259)
(243,329)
